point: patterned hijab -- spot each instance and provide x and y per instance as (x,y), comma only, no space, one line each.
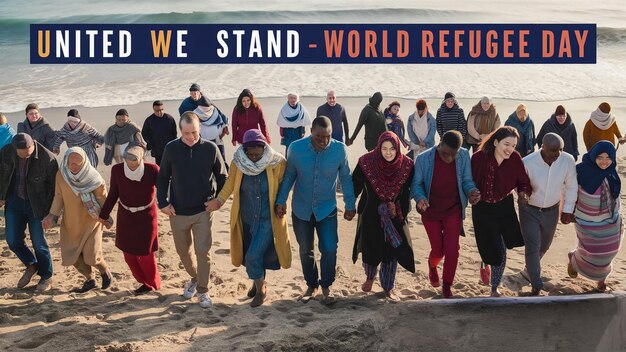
(590,176)
(386,177)
(87,180)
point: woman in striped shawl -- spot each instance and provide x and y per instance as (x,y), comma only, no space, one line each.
(78,133)
(599,225)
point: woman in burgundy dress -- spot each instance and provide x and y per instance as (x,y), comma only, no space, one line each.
(497,170)
(133,183)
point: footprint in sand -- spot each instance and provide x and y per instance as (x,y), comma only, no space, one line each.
(222,251)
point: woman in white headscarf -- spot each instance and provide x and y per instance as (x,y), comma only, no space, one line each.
(80,192)
(133,183)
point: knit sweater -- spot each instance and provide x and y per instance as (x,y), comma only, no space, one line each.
(451,119)
(41,132)
(592,134)
(251,118)
(189,175)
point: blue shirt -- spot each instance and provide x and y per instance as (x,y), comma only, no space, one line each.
(315,176)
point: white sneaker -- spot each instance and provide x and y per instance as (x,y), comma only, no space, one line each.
(190,289)
(205,300)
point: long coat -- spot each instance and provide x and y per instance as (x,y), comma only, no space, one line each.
(370,238)
(136,233)
(80,233)
(275,175)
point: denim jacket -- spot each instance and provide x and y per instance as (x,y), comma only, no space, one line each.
(424,168)
(432,128)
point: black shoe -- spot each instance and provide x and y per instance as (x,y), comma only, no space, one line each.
(106,280)
(87,286)
(142,289)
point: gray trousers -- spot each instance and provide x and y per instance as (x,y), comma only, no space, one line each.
(538,228)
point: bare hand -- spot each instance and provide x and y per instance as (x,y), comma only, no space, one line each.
(280,210)
(47,222)
(168,210)
(422,205)
(523,198)
(349,214)
(474,197)
(212,205)
(567,218)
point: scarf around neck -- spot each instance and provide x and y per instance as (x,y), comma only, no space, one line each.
(602,120)
(87,180)
(386,178)
(120,135)
(293,117)
(248,167)
(420,125)
(135,175)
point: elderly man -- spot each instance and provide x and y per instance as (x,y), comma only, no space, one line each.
(313,164)
(337,115)
(27,176)
(552,174)
(190,168)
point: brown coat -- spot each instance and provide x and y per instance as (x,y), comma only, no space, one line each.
(476,117)
(80,233)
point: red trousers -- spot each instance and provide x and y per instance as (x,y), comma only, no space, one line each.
(144,269)
(444,242)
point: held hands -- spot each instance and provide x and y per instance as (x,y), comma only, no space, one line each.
(474,197)
(47,222)
(212,205)
(523,198)
(567,218)
(280,210)
(106,223)
(168,210)
(422,205)
(349,214)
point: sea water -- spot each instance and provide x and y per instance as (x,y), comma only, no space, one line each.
(103,85)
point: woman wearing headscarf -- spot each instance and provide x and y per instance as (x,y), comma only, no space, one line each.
(80,192)
(77,133)
(497,170)
(248,115)
(602,126)
(383,178)
(561,123)
(599,224)
(521,121)
(213,123)
(118,136)
(292,120)
(133,184)
(421,127)
(481,121)
(258,238)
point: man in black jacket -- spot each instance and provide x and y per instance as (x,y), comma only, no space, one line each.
(158,130)
(27,176)
(192,172)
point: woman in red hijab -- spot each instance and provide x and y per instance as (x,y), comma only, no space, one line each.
(382,178)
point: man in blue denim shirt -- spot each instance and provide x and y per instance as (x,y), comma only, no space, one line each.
(313,164)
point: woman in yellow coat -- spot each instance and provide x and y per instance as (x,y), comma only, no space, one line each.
(80,192)
(258,238)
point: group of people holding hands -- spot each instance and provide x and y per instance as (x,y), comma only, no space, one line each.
(191,180)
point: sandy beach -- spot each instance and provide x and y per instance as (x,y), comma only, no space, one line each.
(116,320)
